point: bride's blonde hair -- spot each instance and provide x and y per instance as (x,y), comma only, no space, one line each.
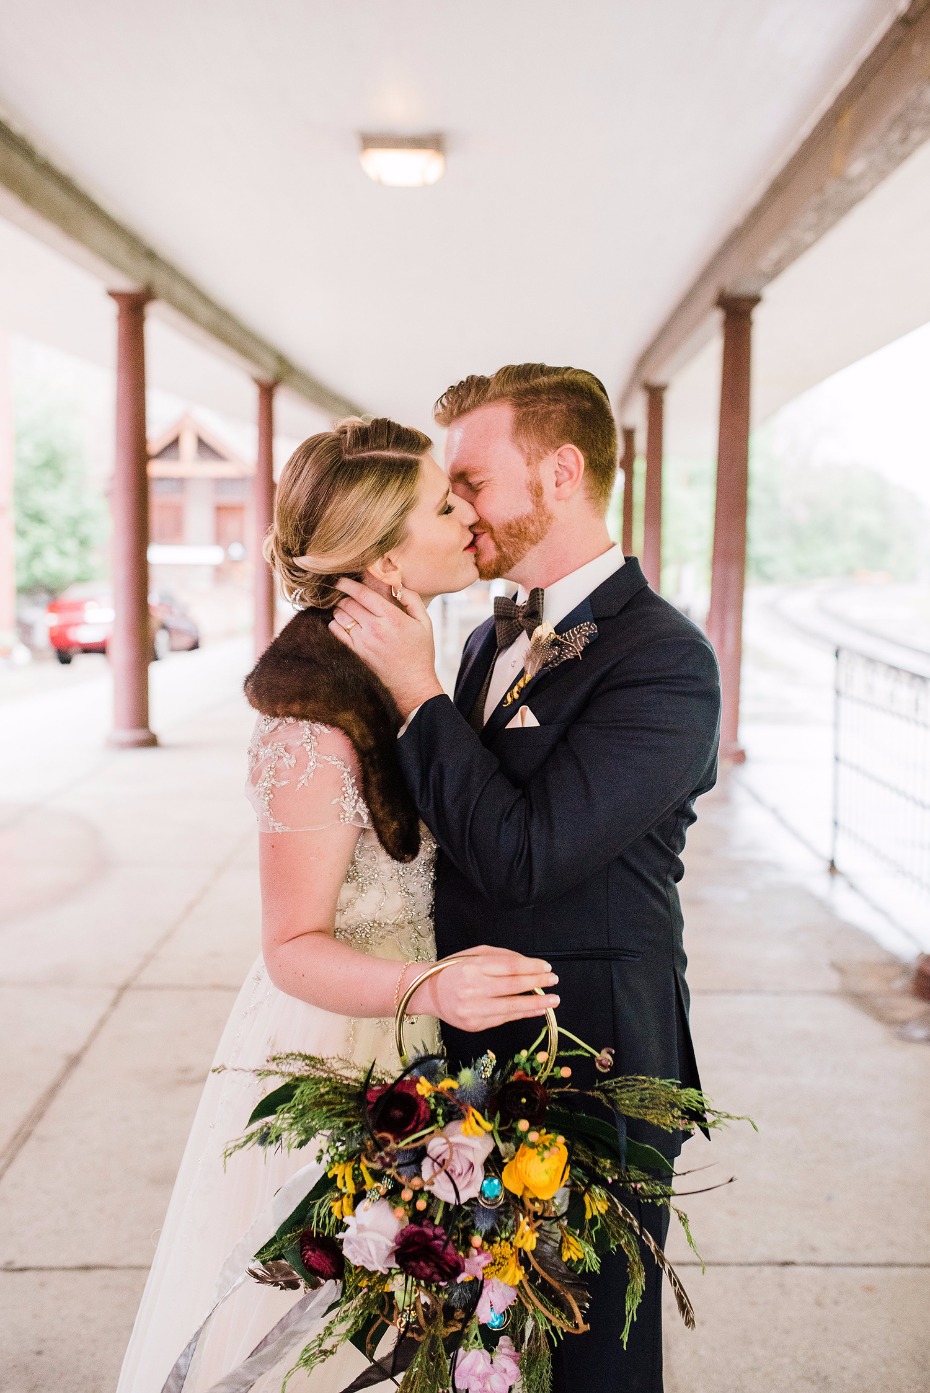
(342,502)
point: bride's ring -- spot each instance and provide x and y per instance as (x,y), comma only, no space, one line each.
(352,624)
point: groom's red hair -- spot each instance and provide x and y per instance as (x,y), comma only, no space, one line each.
(551,407)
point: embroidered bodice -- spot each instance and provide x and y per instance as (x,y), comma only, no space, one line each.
(301,778)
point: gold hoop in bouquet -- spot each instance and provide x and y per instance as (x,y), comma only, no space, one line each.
(400,1014)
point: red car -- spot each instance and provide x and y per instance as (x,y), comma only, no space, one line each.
(81,620)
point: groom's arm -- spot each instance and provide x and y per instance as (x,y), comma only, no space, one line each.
(637,751)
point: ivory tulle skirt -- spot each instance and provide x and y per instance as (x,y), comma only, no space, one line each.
(213,1206)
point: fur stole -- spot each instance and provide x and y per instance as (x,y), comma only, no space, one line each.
(306,674)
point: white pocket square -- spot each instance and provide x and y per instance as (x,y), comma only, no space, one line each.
(522,719)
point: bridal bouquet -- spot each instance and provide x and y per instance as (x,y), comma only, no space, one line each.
(464,1208)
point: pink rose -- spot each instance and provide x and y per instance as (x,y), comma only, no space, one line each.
(477,1372)
(454,1164)
(507,1360)
(370,1236)
(495,1296)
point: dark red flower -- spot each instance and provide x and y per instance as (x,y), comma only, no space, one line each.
(521,1097)
(321,1256)
(426,1252)
(397,1110)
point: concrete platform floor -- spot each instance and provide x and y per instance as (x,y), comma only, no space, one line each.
(130,913)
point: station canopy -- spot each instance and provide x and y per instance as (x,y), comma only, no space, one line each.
(597,154)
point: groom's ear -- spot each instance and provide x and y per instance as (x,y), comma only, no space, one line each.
(568,470)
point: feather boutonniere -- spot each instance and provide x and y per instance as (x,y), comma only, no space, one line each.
(547,650)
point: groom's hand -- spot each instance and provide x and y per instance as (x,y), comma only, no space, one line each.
(396,641)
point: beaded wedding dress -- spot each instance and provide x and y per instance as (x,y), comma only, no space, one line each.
(302,778)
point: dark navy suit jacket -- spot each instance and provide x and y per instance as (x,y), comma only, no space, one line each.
(563,840)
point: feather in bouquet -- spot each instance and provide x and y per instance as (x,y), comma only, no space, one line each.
(463,1208)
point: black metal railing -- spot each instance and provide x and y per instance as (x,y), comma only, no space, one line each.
(881,773)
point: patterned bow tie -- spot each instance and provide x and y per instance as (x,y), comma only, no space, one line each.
(510,618)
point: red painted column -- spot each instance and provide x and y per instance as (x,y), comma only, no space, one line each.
(264,514)
(652,513)
(627,460)
(728,572)
(131,641)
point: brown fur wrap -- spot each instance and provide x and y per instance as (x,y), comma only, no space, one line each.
(305,674)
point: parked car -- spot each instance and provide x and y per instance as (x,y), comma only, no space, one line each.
(81,621)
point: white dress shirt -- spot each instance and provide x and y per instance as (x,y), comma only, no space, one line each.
(560,599)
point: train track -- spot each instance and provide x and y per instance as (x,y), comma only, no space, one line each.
(814,611)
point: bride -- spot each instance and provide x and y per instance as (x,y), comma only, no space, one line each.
(346,881)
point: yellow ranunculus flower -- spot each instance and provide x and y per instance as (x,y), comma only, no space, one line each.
(538,1168)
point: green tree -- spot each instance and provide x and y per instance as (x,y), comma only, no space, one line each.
(832,520)
(60,522)
(806,521)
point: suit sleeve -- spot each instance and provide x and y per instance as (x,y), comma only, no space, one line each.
(637,751)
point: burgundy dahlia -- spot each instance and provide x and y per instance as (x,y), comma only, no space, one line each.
(426,1252)
(397,1110)
(522,1097)
(321,1256)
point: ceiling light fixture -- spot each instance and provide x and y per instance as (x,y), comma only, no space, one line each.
(404,162)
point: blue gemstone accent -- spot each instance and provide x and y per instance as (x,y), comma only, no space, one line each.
(497,1319)
(491,1189)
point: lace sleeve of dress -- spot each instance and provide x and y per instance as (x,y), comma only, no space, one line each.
(303,777)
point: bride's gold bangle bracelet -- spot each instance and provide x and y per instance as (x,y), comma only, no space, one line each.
(401,1011)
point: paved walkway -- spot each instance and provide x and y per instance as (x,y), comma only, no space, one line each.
(131,913)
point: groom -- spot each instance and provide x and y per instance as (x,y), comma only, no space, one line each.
(560,804)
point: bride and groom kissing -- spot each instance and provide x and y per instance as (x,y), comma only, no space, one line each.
(532,825)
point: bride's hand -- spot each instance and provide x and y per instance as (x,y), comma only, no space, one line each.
(485,989)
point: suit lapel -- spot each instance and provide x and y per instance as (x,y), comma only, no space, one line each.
(475,670)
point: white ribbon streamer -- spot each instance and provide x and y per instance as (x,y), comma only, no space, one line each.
(233,1273)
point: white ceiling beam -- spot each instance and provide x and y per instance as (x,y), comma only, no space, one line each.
(880,118)
(46,202)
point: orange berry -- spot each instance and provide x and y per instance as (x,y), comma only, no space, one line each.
(421,1204)
(541,1057)
(566,1071)
(523,1125)
(406,1195)
(400,1212)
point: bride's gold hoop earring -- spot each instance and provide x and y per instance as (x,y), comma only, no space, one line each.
(398,593)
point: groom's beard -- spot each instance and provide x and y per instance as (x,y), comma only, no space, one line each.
(515,537)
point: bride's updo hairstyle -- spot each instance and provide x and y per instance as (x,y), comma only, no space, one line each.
(342,502)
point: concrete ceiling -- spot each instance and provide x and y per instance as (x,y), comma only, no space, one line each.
(598,152)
